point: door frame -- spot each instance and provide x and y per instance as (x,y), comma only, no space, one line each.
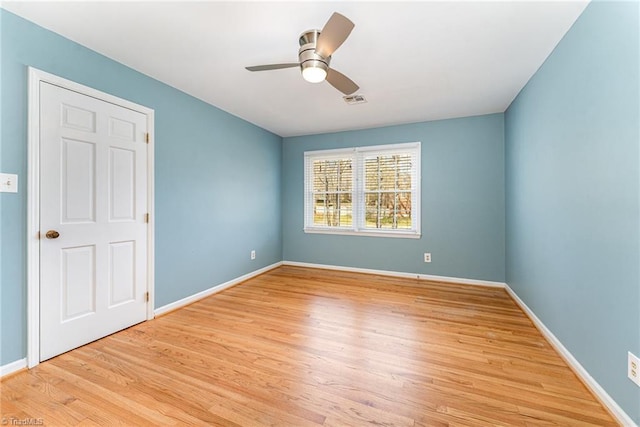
(37,76)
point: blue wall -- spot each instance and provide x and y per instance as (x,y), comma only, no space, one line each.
(213,173)
(572,190)
(462,202)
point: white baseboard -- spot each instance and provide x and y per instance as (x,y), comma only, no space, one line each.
(12,367)
(621,416)
(486,283)
(432,278)
(213,290)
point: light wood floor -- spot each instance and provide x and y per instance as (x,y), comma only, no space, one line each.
(305,347)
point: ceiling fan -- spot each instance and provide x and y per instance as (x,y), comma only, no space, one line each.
(314,55)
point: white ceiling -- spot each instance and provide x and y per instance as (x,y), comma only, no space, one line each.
(414,61)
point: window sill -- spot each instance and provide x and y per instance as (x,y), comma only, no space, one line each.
(400,235)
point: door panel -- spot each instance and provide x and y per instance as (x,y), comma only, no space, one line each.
(78,282)
(77,195)
(123,129)
(122,274)
(93,191)
(122,189)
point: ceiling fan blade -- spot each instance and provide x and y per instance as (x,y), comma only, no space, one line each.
(341,82)
(272,66)
(334,33)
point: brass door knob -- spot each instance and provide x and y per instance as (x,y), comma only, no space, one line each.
(52,234)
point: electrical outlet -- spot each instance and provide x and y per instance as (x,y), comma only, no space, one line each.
(427,257)
(633,370)
(253,254)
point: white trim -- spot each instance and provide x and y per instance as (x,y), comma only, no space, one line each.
(12,367)
(151,225)
(213,290)
(339,152)
(462,281)
(428,277)
(33,225)
(351,232)
(591,383)
(33,198)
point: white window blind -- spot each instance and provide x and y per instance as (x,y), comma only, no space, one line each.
(365,190)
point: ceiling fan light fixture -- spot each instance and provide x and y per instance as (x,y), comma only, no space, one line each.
(314,55)
(314,74)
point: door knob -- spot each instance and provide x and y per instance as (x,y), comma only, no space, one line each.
(52,234)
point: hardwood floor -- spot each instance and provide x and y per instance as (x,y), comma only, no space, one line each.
(306,347)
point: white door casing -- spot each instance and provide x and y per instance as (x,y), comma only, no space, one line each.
(95,190)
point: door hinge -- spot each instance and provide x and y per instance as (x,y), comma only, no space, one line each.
(146,138)
(146,296)
(146,218)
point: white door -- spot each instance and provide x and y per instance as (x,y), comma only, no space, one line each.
(93,206)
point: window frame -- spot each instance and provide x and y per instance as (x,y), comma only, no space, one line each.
(358,205)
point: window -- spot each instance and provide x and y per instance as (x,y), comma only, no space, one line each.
(365,190)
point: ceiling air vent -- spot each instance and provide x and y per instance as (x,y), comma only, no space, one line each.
(354,99)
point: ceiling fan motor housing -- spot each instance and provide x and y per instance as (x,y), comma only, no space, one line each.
(307,55)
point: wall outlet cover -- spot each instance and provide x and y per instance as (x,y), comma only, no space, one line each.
(8,183)
(634,368)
